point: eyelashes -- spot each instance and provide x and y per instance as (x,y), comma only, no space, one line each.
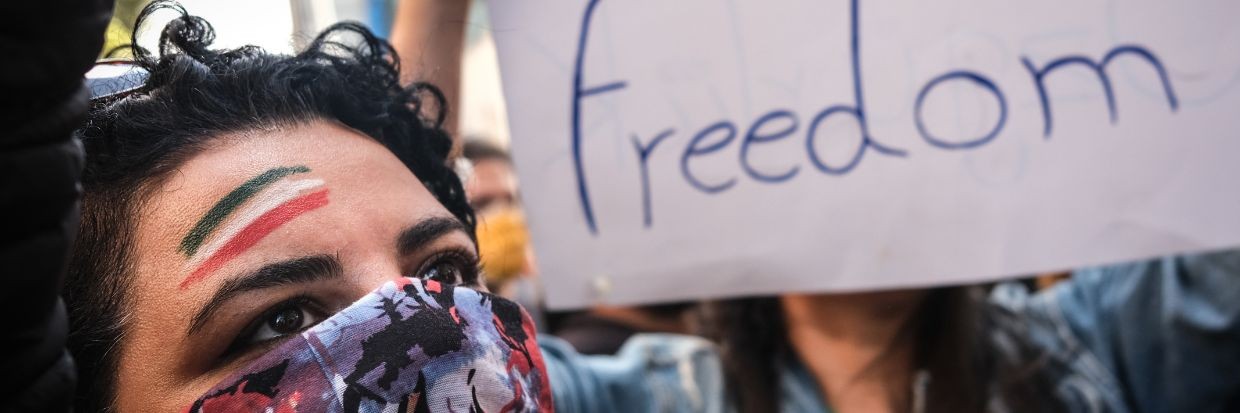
(456,266)
(293,315)
(284,319)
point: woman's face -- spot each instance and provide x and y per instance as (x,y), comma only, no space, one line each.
(262,236)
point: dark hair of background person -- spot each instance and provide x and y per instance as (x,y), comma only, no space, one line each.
(477,150)
(952,331)
(195,94)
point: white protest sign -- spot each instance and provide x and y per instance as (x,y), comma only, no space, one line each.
(690,149)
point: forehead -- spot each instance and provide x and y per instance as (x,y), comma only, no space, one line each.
(350,161)
(327,147)
(343,180)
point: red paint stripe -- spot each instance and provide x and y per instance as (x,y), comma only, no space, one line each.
(256,231)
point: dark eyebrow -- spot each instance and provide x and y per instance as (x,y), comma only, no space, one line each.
(288,272)
(424,232)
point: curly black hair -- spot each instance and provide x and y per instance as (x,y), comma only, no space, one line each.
(193,95)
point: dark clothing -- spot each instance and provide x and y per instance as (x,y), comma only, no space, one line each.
(47,46)
(593,335)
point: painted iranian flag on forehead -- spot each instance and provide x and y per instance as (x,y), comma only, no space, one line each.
(246,215)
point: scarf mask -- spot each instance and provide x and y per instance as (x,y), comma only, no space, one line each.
(410,346)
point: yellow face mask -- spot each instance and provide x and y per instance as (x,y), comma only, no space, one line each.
(503,241)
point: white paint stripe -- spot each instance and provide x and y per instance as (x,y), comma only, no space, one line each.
(275,195)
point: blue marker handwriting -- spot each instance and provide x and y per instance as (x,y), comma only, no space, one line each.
(780,124)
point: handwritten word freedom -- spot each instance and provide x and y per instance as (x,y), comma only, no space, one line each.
(778,124)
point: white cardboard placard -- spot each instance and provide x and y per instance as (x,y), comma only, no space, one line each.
(689,149)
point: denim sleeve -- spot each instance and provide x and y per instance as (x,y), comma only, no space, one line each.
(651,373)
(1168,330)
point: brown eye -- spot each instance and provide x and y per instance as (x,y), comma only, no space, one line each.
(289,319)
(286,321)
(444,272)
(455,268)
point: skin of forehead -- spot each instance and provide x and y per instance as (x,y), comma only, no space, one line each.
(232,202)
(350,164)
(265,213)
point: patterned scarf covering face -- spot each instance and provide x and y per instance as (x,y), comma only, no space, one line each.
(410,346)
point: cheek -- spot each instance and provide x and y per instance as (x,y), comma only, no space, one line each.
(143,376)
(158,368)
(143,384)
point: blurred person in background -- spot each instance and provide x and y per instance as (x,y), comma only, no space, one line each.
(1158,335)
(491,188)
(503,238)
(429,36)
(507,261)
(1151,336)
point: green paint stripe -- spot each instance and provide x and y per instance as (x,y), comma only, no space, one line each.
(230,202)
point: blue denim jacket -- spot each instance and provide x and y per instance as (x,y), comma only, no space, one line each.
(1154,336)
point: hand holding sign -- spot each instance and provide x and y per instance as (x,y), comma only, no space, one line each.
(858,145)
